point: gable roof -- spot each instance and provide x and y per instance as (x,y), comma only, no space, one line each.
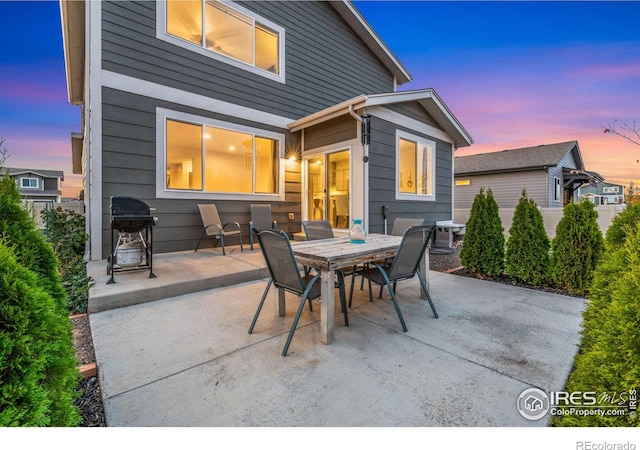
(352,16)
(427,98)
(519,159)
(41,173)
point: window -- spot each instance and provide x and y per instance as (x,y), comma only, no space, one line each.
(558,189)
(415,168)
(463,182)
(28,183)
(233,34)
(209,158)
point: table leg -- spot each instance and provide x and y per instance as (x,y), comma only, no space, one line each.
(327,306)
(280,305)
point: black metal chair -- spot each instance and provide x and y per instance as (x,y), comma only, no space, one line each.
(317,229)
(213,226)
(285,274)
(260,220)
(405,266)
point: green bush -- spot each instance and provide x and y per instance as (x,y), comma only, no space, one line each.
(38,368)
(483,247)
(527,253)
(39,375)
(577,248)
(68,238)
(621,224)
(610,347)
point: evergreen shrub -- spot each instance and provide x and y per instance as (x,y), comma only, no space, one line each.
(483,248)
(527,252)
(577,248)
(607,362)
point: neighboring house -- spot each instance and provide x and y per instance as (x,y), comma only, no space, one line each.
(293,104)
(604,193)
(38,185)
(551,175)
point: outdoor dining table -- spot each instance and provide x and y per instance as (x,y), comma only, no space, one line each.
(329,255)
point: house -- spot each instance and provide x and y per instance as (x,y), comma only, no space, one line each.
(294,104)
(603,193)
(551,175)
(38,185)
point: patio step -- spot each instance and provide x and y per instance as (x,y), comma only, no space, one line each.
(176,274)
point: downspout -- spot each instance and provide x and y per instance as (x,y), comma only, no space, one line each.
(365,168)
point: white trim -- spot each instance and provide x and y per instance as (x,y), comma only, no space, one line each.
(420,140)
(93,112)
(162,114)
(165,93)
(407,122)
(162,35)
(22,186)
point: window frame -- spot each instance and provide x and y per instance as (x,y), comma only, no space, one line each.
(419,140)
(23,179)
(557,189)
(162,34)
(162,115)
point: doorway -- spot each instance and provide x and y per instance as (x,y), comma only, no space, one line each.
(328,188)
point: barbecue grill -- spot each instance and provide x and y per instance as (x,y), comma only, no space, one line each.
(133,250)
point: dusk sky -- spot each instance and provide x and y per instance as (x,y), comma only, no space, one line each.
(515,74)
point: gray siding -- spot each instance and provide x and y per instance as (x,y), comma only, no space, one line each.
(567,161)
(506,187)
(326,62)
(336,130)
(414,111)
(129,159)
(382,180)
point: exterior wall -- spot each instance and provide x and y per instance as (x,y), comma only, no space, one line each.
(129,169)
(340,129)
(569,162)
(325,61)
(506,187)
(382,179)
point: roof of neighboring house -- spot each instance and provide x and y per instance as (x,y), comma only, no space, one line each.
(42,173)
(427,98)
(519,159)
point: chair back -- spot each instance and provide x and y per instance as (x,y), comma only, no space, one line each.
(209,214)
(261,217)
(280,260)
(412,247)
(401,224)
(317,229)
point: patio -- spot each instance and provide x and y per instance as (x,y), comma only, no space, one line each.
(179,354)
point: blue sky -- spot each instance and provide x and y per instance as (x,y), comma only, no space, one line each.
(514,73)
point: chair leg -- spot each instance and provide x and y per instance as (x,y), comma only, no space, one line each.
(343,298)
(393,297)
(303,299)
(241,248)
(200,240)
(222,244)
(264,296)
(370,295)
(251,238)
(353,280)
(426,292)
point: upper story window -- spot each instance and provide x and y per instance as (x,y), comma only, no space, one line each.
(415,168)
(227,32)
(29,183)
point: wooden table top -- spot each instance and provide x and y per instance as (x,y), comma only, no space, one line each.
(338,253)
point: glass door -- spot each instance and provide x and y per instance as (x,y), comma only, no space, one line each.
(331,170)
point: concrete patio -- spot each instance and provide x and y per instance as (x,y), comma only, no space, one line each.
(174,350)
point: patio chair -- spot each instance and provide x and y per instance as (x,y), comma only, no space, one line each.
(285,274)
(260,220)
(317,229)
(405,266)
(213,226)
(400,225)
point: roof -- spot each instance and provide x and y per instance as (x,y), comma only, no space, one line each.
(42,173)
(427,98)
(519,159)
(73,35)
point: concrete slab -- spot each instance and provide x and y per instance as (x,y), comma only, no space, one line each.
(188,360)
